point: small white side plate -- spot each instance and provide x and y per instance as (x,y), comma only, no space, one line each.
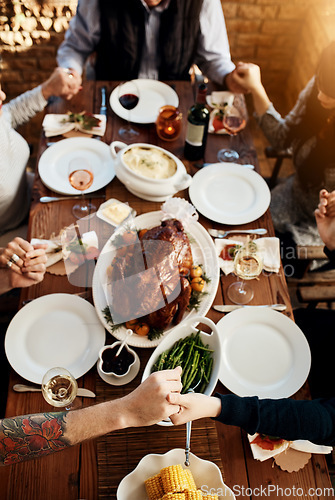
(54,164)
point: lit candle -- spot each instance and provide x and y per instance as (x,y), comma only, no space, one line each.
(169,130)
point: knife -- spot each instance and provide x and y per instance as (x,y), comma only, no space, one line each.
(86,393)
(103,108)
(231,307)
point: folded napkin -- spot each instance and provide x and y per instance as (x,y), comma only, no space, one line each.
(57,125)
(269,249)
(219,101)
(71,252)
(282,445)
(54,250)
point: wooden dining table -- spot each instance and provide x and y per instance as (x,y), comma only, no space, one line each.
(95,468)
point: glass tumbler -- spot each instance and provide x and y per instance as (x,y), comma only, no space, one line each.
(168,123)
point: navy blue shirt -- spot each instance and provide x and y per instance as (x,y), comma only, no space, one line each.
(285,418)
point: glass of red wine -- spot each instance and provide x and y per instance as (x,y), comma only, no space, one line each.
(81,178)
(233,122)
(128,98)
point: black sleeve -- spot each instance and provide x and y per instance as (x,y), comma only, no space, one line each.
(285,418)
(330,253)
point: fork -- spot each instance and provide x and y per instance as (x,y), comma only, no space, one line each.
(222,234)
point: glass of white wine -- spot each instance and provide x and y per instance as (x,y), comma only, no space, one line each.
(248,265)
(59,388)
(81,178)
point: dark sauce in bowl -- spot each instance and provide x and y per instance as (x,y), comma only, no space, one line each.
(118,365)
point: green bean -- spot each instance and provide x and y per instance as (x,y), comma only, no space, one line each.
(193,356)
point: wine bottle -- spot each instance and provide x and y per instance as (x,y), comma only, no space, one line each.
(197,127)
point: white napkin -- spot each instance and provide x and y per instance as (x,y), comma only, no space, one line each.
(300,445)
(269,248)
(220,99)
(178,208)
(52,125)
(54,250)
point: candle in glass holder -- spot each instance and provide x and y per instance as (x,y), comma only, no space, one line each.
(168,123)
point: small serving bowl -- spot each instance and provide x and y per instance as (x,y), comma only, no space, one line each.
(126,354)
(146,187)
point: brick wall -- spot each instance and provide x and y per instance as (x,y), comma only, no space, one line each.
(285,37)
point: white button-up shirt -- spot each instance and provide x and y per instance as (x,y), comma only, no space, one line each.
(212,54)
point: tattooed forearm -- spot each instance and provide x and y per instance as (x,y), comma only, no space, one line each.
(31,436)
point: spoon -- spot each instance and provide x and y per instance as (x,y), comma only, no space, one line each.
(129,333)
(223,234)
(188,431)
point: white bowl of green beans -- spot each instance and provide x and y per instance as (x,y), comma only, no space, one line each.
(196,351)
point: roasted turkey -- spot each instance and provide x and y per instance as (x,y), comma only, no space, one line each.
(148,281)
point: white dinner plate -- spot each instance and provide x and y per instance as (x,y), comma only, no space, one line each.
(54,164)
(206,474)
(264,353)
(54,330)
(229,193)
(203,252)
(152,96)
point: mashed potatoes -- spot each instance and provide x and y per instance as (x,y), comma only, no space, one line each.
(150,162)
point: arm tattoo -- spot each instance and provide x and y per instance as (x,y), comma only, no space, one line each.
(31,436)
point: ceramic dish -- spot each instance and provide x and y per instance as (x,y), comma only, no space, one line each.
(54,163)
(184,330)
(206,474)
(109,220)
(229,193)
(145,187)
(54,330)
(153,95)
(112,380)
(203,251)
(264,353)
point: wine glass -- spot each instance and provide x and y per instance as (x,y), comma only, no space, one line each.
(248,265)
(233,121)
(59,388)
(128,94)
(81,177)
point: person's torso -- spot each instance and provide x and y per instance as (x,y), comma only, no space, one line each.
(123,25)
(13,186)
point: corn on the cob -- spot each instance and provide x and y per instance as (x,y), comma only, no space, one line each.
(173,496)
(190,480)
(193,495)
(154,487)
(210,497)
(174,479)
